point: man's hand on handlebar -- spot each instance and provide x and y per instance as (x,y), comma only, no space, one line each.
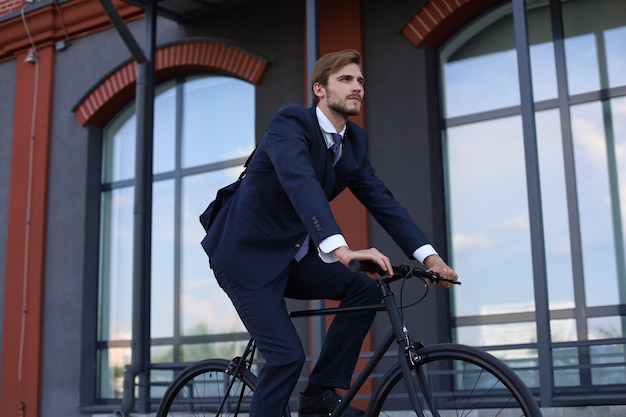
(436,264)
(345,255)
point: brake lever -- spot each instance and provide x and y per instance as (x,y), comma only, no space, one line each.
(435,277)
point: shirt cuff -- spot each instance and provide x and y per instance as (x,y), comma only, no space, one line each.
(328,245)
(424,252)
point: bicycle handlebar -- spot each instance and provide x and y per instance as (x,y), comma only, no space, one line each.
(399,272)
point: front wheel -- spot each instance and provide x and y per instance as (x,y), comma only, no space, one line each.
(455,380)
(202,388)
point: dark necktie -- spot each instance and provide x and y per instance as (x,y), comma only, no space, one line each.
(335,150)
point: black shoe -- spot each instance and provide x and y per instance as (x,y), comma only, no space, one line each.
(323,405)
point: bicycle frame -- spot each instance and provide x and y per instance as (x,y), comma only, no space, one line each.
(398,333)
(426,362)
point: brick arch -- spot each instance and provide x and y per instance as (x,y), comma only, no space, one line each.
(439,19)
(106,98)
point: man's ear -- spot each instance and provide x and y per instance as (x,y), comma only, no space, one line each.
(319,90)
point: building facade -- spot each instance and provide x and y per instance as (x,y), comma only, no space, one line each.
(500,125)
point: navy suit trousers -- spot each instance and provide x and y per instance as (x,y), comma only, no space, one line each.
(264,313)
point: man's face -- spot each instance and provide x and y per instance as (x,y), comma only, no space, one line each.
(344,92)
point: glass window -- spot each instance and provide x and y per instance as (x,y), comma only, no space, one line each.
(163,259)
(164,128)
(608,364)
(582,64)
(203,133)
(490,87)
(479,64)
(489,217)
(594,48)
(119,148)
(606,328)
(614,41)
(116,262)
(566,362)
(202,303)
(554,202)
(497,334)
(213,113)
(594,202)
(563,330)
(580,137)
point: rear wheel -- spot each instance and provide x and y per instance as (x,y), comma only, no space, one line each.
(456,380)
(202,388)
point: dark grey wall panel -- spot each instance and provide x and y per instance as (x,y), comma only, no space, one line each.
(402,121)
(78,69)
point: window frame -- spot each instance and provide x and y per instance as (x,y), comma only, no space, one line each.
(90,393)
(527,109)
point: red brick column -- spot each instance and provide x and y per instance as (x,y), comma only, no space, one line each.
(24,280)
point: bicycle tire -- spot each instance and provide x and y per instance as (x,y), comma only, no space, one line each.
(199,389)
(460,381)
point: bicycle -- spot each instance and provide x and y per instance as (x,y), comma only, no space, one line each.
(440,380)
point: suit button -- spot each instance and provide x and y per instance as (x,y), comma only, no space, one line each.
(296,246)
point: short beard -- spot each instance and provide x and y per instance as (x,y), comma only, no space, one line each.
(342,109)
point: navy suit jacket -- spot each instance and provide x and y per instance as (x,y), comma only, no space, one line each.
(285,196)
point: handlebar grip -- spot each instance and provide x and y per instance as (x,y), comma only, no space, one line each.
(364,266)
(371,266)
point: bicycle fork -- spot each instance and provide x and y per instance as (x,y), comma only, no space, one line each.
(408,357)
(414,359)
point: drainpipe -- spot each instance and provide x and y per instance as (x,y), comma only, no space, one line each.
(318,324)
(142,214)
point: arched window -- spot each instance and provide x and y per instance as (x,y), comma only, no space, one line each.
(203,133)
(570,256)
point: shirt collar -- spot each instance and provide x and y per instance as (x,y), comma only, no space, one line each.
(327,127)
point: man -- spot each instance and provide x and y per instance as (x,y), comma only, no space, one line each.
(277,238)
